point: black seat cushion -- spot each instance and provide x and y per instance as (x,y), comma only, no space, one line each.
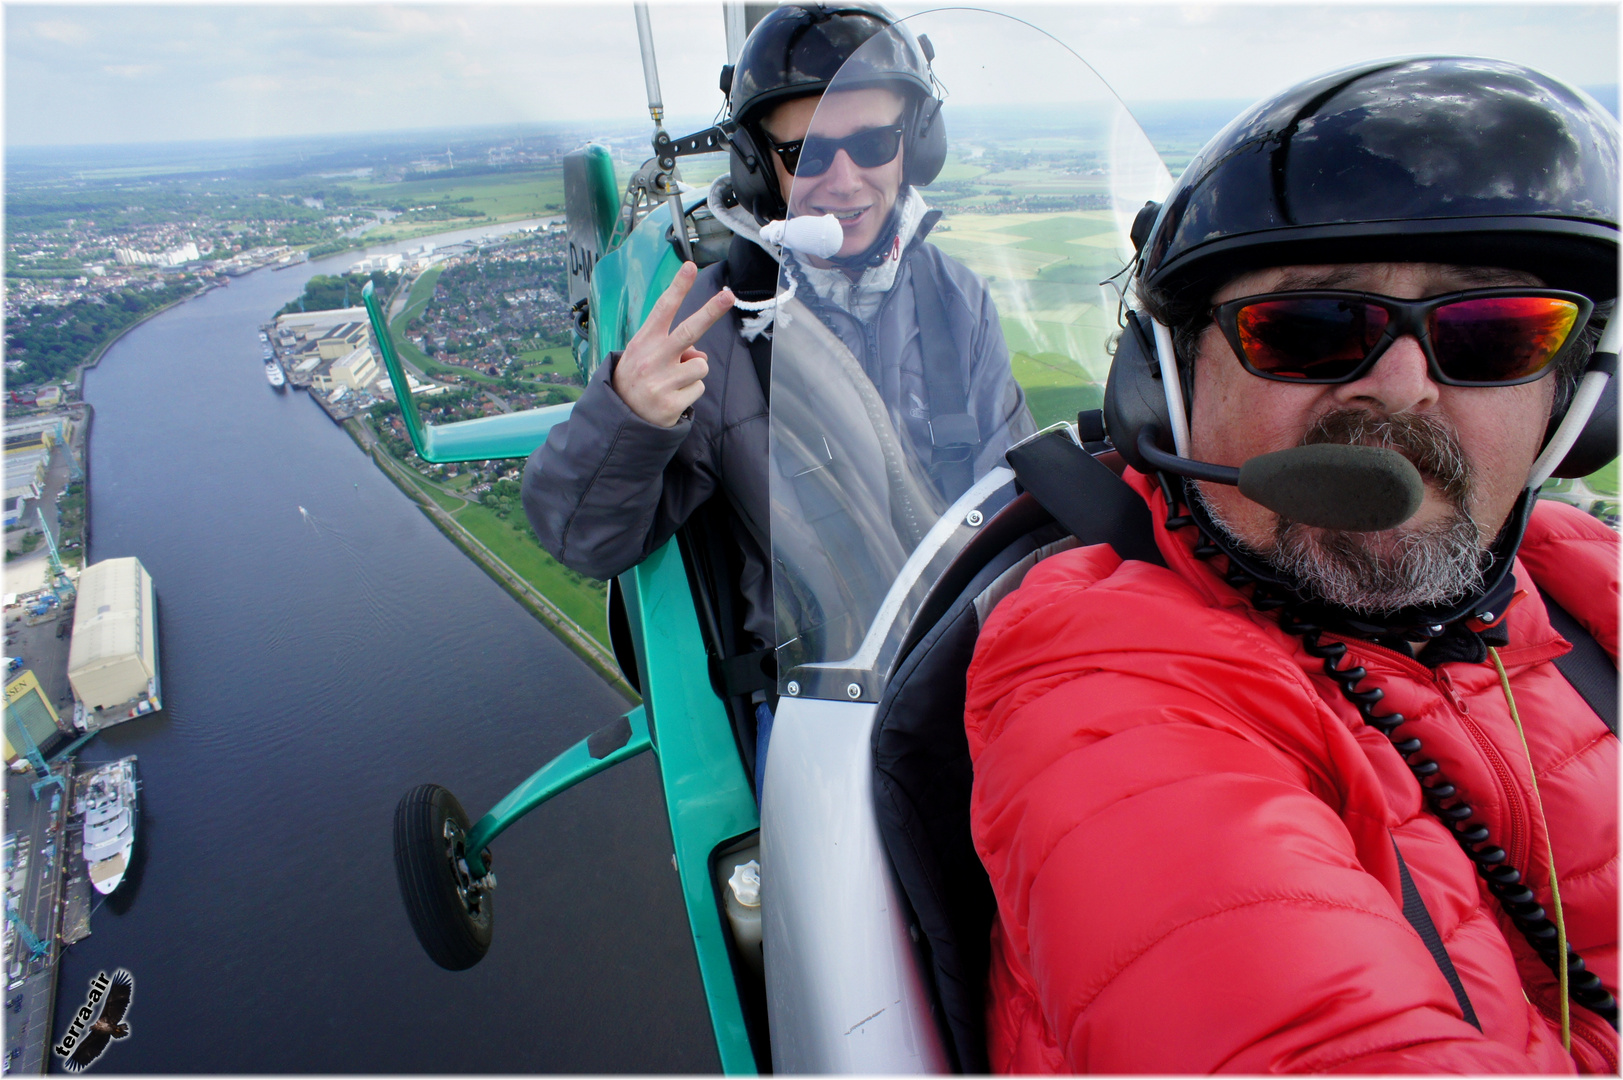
(922,780)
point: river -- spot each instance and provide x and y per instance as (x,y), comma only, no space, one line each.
(315,668)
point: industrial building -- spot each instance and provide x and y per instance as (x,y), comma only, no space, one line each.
(341,340)
(31,723)
(357,370)
(301,325)
(113,662)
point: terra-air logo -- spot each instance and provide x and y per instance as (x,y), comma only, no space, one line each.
(91,1031)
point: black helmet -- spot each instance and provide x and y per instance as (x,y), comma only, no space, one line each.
(794,52)
(1431,159)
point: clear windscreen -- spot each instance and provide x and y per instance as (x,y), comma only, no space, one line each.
(926,323)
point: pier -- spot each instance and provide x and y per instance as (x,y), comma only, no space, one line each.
(35,855)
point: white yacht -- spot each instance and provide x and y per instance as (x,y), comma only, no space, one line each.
(107,801)
(273,372)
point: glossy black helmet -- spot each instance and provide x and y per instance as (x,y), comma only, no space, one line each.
(1430,159)
(795,52)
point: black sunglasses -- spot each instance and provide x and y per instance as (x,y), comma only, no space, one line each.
(1481,337)
(812,155)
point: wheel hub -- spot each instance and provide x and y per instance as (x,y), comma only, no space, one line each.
(470,890)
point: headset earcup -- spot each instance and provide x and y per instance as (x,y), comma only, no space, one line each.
(926,146)
(1133,394)
(1597,443)
(754,182)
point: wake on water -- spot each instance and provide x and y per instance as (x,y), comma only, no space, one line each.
(371,591)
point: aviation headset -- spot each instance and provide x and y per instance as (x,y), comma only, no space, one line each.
(1433,159)
(1263,193)
(794,52)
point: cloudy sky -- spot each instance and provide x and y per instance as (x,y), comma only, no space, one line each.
(86,74)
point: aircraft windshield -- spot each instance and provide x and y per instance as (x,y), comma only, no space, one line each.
(903,367)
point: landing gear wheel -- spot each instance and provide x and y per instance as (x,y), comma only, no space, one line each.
(448,908)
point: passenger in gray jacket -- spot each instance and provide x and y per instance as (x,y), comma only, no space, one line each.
(681,414)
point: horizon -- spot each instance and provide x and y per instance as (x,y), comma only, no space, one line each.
(82,77)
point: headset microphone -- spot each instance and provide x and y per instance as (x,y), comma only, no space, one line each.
(1325,485)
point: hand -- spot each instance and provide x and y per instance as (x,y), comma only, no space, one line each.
(660,373)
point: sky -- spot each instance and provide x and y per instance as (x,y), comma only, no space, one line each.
(130,73)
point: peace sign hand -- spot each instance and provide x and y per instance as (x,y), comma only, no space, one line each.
(660,373)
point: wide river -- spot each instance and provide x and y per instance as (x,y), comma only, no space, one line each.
(315,668)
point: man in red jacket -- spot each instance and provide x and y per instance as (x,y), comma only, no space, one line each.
(1309,798)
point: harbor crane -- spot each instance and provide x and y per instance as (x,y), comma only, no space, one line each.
(62,585)
(37,948)
(19,735)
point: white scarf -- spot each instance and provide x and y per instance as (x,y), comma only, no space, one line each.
(861,298)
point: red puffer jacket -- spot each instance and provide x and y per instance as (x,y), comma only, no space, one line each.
(1190,831)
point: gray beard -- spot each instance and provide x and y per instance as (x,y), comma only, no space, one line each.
(1431,565)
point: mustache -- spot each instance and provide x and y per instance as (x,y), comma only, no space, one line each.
(1429,442)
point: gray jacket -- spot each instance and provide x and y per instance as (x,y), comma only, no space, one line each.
(608,488)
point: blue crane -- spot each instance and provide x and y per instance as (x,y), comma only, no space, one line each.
(36,947)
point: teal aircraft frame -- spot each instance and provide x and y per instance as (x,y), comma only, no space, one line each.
(708,796)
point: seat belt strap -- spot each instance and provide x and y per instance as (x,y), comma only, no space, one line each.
(761,357)
(1587,667)
(1085,496)
(954,435)
(1414,909)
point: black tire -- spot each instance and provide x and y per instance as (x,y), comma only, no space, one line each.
(452,918)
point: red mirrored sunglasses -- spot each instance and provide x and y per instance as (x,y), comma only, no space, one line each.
(1482,337)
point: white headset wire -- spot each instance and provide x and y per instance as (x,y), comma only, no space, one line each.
(1172,385)
(1584,401)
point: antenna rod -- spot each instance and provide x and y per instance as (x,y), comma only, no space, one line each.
(650,69)
(656,109)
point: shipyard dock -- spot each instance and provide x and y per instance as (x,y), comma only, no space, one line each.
(36,852)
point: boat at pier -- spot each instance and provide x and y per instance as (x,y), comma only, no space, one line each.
(273,372)
(108,803)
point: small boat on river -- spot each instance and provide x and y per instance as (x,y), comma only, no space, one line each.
(273,372)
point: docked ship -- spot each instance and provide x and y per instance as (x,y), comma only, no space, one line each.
(108,802)
(273,372)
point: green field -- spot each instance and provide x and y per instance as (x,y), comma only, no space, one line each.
(581,598)
(447,502)
(467,200)
(1055,389)
(1604,482)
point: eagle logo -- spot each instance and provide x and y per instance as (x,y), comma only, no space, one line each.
(89,1034)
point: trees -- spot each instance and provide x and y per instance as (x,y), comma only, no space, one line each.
(52,341)
(328,292)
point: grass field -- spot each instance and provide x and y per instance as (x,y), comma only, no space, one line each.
(1055,389)
(1603,482)
(580,598)
(447,502)
(499,197)
(560,359)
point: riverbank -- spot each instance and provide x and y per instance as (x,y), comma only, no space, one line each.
(95,358)
(570,632)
